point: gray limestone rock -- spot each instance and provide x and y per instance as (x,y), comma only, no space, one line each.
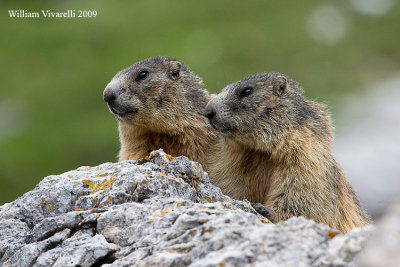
(158,211)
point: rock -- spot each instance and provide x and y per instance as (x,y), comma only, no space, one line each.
(160,211)
(81,249)
(384,247)
(343,250)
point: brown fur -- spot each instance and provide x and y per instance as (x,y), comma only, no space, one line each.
(276,150)
(162,110)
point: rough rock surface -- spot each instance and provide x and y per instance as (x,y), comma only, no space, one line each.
(158,211)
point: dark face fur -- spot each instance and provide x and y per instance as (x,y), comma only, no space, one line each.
(151,92)
(258,107)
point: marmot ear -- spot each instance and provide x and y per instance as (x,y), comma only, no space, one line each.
(279,85)
(174,68)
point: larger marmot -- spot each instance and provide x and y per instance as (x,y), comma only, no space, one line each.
(276,150)
(159,103)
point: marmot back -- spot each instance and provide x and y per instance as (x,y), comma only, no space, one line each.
(158,103)
(276,150)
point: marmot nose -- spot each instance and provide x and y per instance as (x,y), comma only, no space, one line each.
(109,96)
(209,112)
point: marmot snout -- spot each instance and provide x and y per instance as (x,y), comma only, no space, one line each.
(275,149)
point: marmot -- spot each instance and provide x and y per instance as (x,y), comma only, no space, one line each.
(276,150)
(159,103)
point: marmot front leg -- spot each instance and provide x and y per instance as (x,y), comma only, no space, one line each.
(264,211)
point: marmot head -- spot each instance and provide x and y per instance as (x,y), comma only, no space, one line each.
(155,94)
(258,109)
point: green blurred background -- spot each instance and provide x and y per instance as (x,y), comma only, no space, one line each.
(53,71)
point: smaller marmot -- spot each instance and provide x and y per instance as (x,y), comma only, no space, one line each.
(159,103)
(276,150)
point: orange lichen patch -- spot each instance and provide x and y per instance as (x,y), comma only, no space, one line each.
(69,176)
(265,221)
(206,198)
(95,187)
(88,183)
(221,264)
(163,173)
(229,207)
(203,221)
(331,234)
(108,183)
(44,202)
(78,209)
(90,208)
(52,180)
(109,199)
(205,230)
(102,175)
(169,158)
(162,213)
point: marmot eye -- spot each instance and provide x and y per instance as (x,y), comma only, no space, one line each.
(142,75)
(246,92)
